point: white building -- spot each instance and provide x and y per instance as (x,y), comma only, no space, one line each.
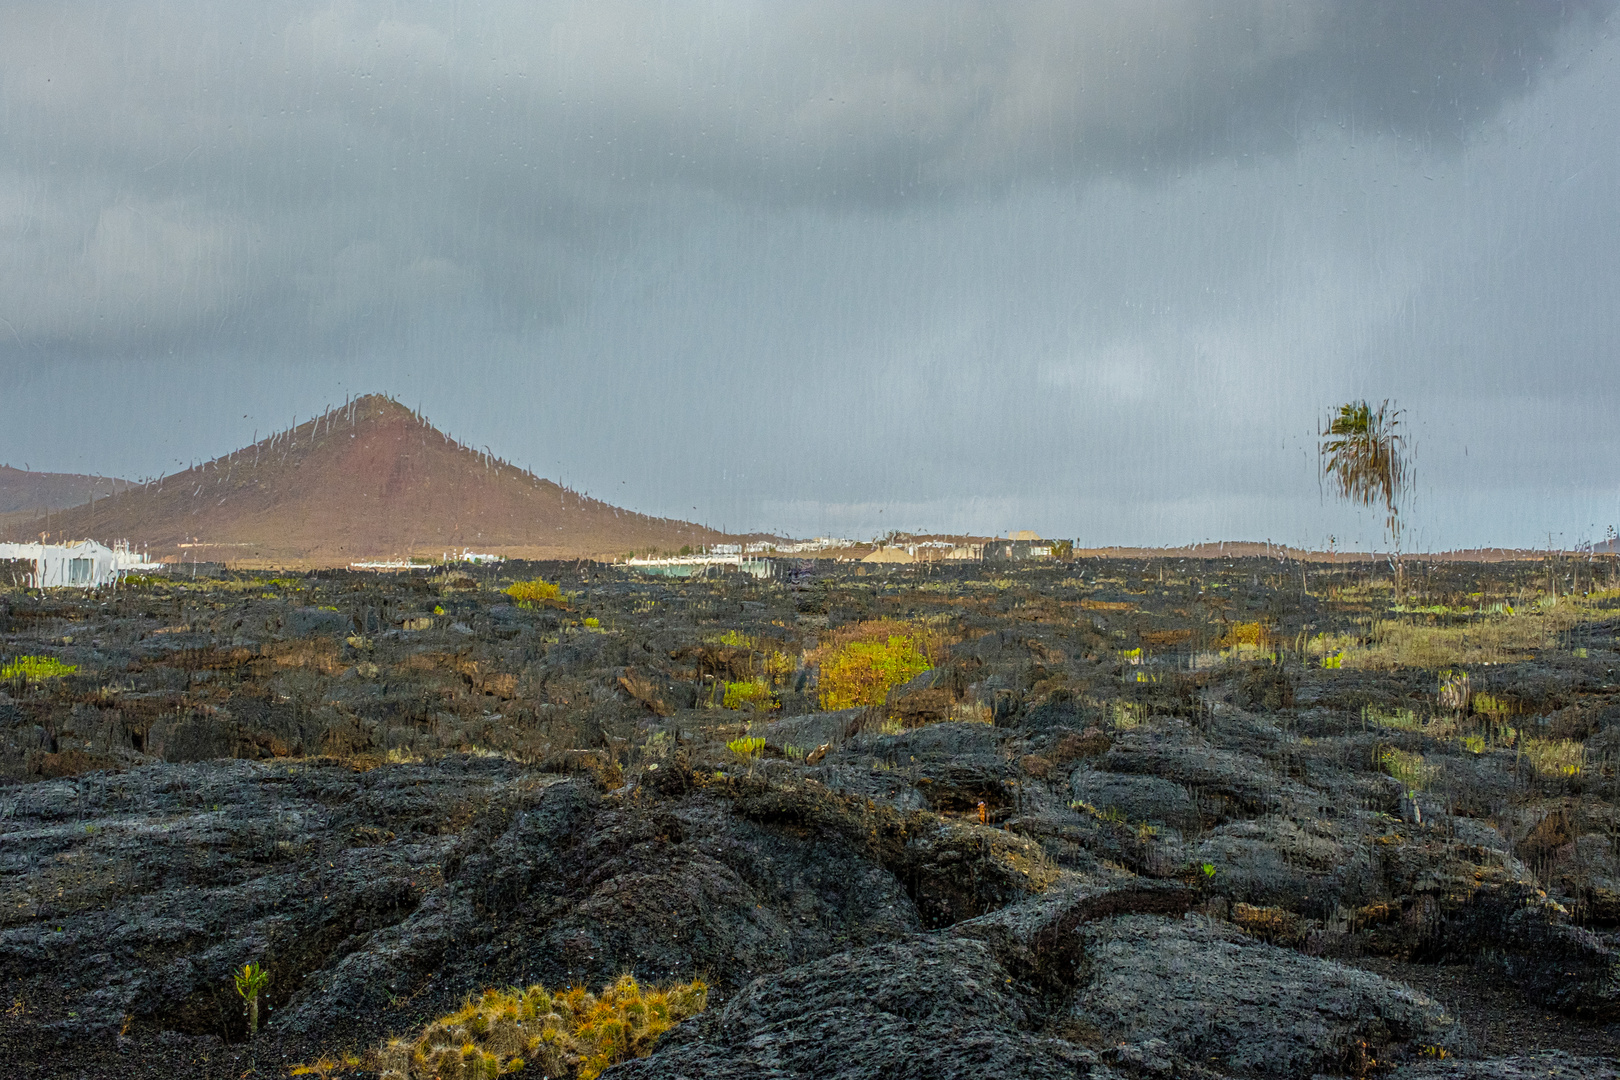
(81,564)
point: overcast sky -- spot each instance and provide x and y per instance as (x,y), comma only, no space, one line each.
(1094,269)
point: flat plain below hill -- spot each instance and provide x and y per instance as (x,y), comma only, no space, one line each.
(1121,819)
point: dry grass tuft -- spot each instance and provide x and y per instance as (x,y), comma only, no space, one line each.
(1555,757)
(1492,639)
(573,1034)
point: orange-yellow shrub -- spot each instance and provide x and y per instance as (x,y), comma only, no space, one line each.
(869,661)
(573,1034)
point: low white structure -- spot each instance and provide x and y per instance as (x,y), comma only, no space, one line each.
(697,565)
(80,564)
(820,543)
(473,557)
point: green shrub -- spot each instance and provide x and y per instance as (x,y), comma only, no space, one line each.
(771,662)
(1399,719)
(1410,769)
(752,694)
(877,658)
(35,668)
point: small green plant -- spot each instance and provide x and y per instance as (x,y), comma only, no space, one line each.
(593,624)
(752,694)
(1399,719)
(249,981)
(1334,662)
(1128,714)
(1413,773)
(35,668)
(1208,870)
(746,747)
(735,638)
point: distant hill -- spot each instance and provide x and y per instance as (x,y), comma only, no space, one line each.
(365,481)
(22,490)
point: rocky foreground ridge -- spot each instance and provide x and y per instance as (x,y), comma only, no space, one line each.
(1071,849)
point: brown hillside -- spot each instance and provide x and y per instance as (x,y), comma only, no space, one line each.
(369,480)
(22,491)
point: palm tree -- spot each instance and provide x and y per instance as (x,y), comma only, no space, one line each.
(1363,459)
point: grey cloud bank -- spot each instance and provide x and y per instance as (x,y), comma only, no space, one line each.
(1094,270)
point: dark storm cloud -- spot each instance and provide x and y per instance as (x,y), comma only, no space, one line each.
(182,173)
(1106,262)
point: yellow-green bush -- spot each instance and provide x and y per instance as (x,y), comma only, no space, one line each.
(871,661)
(752,694)
(1252,634)
(572,1034)
(142,581)
(34,668)
(746,747)
(773,664)
(1410,769)
(1399,719)
(536,592)
(777,666)
(1555,757)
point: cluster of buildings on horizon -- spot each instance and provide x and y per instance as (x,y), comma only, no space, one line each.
(90,564)
(754,557)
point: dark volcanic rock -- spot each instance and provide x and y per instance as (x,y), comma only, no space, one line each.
(1549,1065)
(936,1007)
(1082,846)
(1201,991)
